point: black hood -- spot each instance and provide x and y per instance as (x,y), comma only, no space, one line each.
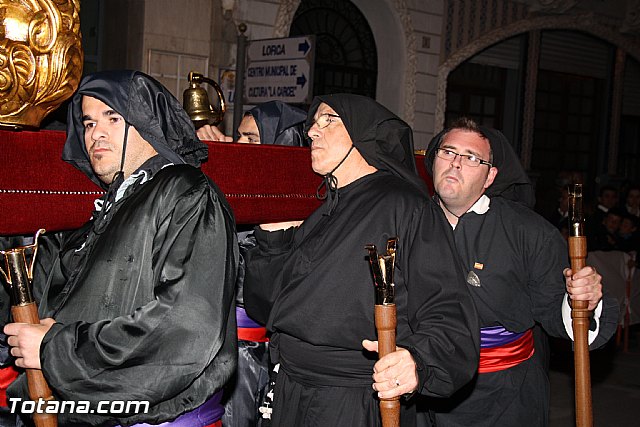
(382,138)
(280,124)
(146,105)
(511,182)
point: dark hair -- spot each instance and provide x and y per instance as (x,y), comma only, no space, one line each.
(467,123)
(470,125)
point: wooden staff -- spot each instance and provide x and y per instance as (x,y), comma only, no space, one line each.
(18,275)
(385,316)
(382,268)
(580,313)
(38,387)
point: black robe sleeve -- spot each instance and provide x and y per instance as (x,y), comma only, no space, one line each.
(444,324)
(546,287)
(48,246)
(266,260)
(184,324)
(161,348)
(320,272)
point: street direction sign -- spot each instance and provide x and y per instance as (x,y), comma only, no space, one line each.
(279,69)
(286,48)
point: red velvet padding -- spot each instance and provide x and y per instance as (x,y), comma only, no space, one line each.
(7,375)
(263,183)
(38,189)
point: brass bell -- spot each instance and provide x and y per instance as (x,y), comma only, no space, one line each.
(195,101)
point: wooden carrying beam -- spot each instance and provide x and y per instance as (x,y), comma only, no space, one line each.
(38,190)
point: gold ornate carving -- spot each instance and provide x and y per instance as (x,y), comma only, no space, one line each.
(40,58)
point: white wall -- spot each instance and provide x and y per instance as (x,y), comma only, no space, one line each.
(173,47)
(427,22)
(391,49)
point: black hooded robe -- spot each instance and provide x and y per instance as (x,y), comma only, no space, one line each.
(278,124)
(142,294)
(313,287)
(518,258)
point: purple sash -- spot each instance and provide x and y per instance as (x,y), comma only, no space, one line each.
(207,413)
(496,336)
(244,321)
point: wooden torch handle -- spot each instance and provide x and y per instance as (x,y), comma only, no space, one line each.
(385,319)
(581,318)
(38,387)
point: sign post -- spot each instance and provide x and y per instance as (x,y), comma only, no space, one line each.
(280,69)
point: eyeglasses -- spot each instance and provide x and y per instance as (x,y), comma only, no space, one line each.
(322,121)
(465,159)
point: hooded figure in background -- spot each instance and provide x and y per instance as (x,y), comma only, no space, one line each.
(271,123)
(514,262)
(311,285)
(279,124)
(139,300)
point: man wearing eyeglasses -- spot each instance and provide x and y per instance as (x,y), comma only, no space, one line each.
(312,285)
(514,263)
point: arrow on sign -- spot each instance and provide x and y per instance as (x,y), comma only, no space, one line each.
(301,81)
(304,47)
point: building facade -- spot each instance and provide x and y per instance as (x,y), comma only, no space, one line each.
(561,78)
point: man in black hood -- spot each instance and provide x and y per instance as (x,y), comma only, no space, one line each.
(269,123)
(311,285)
(514,262)
(138,302)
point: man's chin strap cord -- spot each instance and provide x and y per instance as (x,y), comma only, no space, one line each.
(330,181)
